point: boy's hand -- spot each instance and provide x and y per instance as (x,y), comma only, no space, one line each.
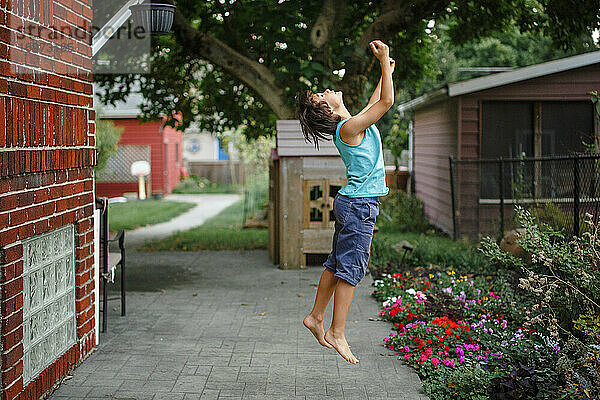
(380,50)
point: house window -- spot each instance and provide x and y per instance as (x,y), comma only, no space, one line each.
(510,129)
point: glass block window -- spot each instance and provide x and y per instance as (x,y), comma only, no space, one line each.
(48,299)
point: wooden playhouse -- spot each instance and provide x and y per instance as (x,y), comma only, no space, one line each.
(303,182)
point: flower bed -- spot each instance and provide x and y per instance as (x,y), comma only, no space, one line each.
(450,327)
(480,336)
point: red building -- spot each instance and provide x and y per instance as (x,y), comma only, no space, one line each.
(160,146)
(540,110)
(47,154)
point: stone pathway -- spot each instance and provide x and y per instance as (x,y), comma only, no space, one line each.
(208,206)
(212,325)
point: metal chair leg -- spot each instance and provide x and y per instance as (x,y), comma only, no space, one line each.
(123,284)
(104,304)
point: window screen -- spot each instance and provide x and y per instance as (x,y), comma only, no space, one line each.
(566,126)
(506,131)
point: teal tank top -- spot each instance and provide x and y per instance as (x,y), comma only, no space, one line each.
(365,170)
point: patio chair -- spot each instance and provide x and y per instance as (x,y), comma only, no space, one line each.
(109,261)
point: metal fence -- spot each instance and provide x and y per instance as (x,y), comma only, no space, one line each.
(558,190)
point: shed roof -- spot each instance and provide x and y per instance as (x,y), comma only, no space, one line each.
(501,79)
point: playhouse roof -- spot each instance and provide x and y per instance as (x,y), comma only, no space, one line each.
(501,79)
(291,142)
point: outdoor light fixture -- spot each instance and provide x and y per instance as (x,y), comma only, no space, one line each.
(154,17)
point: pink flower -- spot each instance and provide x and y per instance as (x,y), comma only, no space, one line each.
(407,349)
(427,329)
(449,362)
(407,356)
(423,357)
(428,351)
(435,360)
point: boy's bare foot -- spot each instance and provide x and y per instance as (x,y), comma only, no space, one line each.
(316,327)
(341,345)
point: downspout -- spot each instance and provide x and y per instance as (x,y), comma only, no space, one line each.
(411,159)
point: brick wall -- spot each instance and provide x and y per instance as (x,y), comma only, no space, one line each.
(47,151)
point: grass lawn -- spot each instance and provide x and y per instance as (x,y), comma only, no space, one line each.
(222,232)
(137,213)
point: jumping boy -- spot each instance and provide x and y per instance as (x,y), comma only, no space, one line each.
(323,116)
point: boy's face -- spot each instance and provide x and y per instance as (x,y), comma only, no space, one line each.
(333,99)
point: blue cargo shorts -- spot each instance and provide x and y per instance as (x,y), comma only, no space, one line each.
(354,223)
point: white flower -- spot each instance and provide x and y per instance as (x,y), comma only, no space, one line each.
(386,303)
(411,291)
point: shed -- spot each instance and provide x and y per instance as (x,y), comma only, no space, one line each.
(302,185)
(539,110)
(161,146)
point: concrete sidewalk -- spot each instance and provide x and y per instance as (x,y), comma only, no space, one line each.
(229,325)
(208,205)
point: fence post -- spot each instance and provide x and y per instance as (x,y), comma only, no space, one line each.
(501,182)
(454,228)
(575,196)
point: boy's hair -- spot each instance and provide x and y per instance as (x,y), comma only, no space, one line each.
(317,120)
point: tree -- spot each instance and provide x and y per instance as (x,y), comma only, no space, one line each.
(234,62)
(107,137)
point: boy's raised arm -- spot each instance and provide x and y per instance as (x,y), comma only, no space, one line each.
(377,92)
(374,112)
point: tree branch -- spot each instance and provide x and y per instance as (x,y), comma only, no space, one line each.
(325,26)
(395,17)
(254,74)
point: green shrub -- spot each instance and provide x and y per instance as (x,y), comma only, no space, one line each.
(562,279)
(402,212)
(195,185)
(107,137)
(436,252)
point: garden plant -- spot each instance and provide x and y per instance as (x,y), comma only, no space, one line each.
(514,328)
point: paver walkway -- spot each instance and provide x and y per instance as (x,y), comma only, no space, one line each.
(208,205)
(241,336)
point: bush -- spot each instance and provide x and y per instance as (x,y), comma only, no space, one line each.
(430,252)
(402,212)
(563,281)
(195,185)
(107,137)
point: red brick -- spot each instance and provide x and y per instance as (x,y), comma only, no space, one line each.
(10,340)
(13,391)
(8,202)
(26,231)
(34,213)
(4,220)
(11,305)
(12,374)
(41,195)
(12,253)
(18,217)
(41,226)
(9,236)
(24,199)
